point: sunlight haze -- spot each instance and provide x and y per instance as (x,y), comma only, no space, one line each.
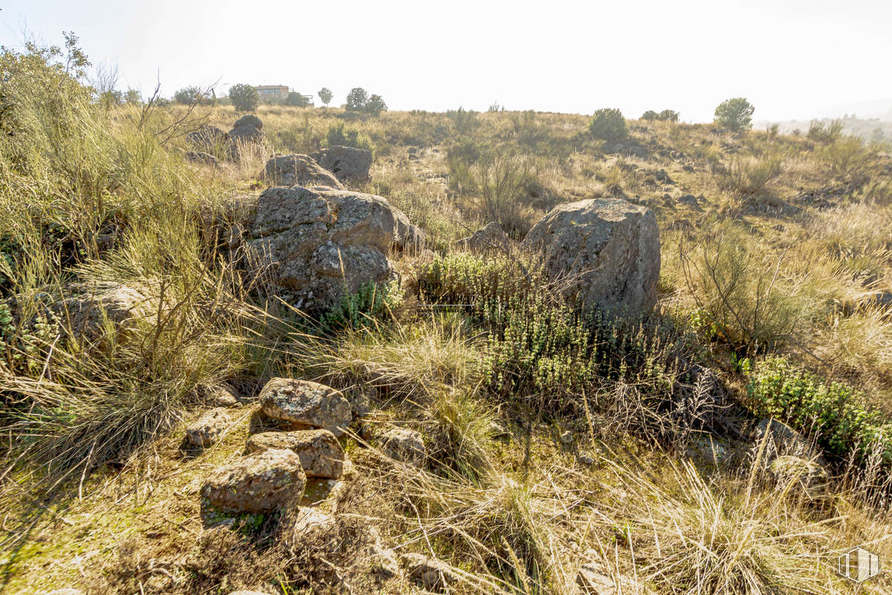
(795,59)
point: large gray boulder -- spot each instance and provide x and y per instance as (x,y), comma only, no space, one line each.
(248,128)
(346,163)
(306,404)
(298,170)
(261,482)
(317,244)
(605,252)
(486,240)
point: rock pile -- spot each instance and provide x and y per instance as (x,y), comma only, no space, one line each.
(320,243)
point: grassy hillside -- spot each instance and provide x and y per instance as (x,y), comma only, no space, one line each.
(556,439)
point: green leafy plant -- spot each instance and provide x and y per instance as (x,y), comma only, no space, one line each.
(608,124)
(735,114)
(244,97)
(348,137)
(365,307)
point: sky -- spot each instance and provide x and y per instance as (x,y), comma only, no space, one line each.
(793,59)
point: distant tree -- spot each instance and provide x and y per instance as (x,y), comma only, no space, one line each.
(668,115)
(608,124)
(375,105)
(133,97)
(188,96)
(244,97)
(735,114)
(356,99)
(296,99)
(649,115)
(325,95)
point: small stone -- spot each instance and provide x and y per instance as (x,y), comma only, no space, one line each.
(312,525)
(320,453)
(430,574)
(567,438)
(225,396)
(688,199)
(306,404)
(261,482)
(208,428)
(405,446)
(586,459)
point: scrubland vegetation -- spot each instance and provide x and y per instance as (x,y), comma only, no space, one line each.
(557,437)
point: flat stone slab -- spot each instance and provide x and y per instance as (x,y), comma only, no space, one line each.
(306,404)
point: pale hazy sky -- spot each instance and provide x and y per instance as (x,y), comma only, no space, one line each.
(790,58)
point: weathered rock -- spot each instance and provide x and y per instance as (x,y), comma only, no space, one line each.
(688,199)
(207,138)
(784,440)
(298,170)
(261,482)
(248,128)
(489,238)
(319,243)
(224,396)
(405,445)
(306,404)
(311,525)
(202,158)
(430,574)
(320,453)
(592,581)
(808,477)
(205,430)
(346,163)
(606,251)
(119,304)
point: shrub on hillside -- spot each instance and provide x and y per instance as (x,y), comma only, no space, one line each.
(608,124)
(735,114)
(832,412)
(244,97)
(325,95)
(667,115)
(193,95)
(339,135)
(845,155)
(295,99)
(746,176)
(358,100)
(818,131)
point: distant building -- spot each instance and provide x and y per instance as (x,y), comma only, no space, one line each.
(272,91)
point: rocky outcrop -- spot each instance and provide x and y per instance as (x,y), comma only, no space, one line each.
(488,239)
(208,428)
(318,244)
(320,453)
(802,476)
(346,163)
(116,303)
(247,128)
(605,252)
(298,170)
(405,446)
(306,404)
(261,482)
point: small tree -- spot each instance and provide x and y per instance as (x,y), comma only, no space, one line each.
(296,99)
(244,97)
(649,115)
(608,124)
(356,99)
(325,95)
(188,95)
(375,105)
(735,114)
(668,115)
(133,97)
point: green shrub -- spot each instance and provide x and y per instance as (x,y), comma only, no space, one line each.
(193,95)
(244,97)
(339,135)
(295,99)
(845,155)
(735,114)
(649,115)
(668,115)
(747,176)
(817,131)
(363,308)
(464,121)
(608,124)
(325,95)
(834,413)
